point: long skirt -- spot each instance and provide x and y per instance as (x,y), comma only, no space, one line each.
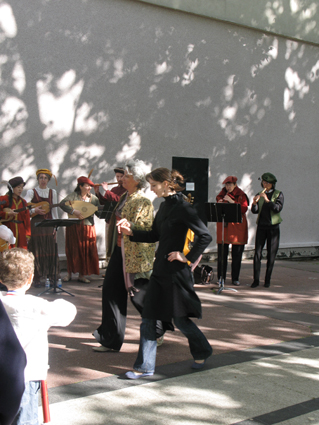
(81,250)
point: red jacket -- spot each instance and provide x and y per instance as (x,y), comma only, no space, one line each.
(22,229)
(235,233)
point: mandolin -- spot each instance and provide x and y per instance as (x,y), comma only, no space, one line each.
(46,207)
(87,209)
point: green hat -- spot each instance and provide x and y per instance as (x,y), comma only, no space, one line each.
(268,177)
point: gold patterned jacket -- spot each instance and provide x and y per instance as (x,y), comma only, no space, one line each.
(138,209)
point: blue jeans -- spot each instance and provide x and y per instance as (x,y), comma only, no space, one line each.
(146,357)
(28,410)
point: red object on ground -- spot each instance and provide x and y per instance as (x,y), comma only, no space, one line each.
(45,402)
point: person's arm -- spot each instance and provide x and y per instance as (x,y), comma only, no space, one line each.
(220,196)
(68,209)
(143,215)
(254,205)
(146,236)
(203,238)
(243,203)
(29,195)
(28,198)
(278,205)
(58,312)
(109,195)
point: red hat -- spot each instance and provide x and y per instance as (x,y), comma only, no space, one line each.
(83,179)
(230,179)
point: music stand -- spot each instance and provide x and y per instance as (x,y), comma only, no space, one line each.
(223,213)
(60,222)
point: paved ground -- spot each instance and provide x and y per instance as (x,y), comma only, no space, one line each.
(264,369)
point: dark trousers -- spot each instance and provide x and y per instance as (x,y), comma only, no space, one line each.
(114,303)
(236,255)
(146,357)
(270,235)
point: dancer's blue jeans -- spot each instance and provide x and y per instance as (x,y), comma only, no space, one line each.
(146,357)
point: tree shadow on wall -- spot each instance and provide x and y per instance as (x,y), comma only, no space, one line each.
(89,85)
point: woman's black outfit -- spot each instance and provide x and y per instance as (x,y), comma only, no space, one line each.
(170,293)
(268,231)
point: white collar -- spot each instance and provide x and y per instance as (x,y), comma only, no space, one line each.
(43,192)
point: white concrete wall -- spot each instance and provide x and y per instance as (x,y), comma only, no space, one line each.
(88,84)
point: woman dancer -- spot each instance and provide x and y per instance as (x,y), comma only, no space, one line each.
(170,294)
(80,239)
(235,234)
(18,222)
(130,264)
(42,242)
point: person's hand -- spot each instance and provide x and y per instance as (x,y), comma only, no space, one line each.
(263,195)
(256,199)
(39,210)
(221,200)
(11,213)
(177,256)
(78,214)
(124,226)
(229,199)
(105,186)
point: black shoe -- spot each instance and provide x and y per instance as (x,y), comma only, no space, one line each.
(254,285)
(267,284)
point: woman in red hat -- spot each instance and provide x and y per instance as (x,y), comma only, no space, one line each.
(18,222)
(235,234)
(80,239)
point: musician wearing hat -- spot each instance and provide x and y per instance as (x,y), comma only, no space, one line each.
(116,192)
(235,234)
(268,204)
(80,239)
(17,221)
(112,195)
(42,242)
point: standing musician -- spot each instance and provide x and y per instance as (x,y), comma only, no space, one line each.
(80,239)
(18,222)
(42,242)
(111,195)
(235,234)
(267,204)
(115,193)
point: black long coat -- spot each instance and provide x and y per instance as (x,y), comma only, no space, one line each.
(170,292)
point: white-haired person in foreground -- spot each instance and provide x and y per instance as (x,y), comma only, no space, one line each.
(131,263)
(31,317)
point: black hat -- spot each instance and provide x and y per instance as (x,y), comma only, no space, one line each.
(269,178)
(16,181)
(119,170)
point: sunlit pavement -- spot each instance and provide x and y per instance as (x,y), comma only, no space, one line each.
(264,370)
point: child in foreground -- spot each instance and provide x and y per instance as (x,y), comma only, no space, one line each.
(31,318)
